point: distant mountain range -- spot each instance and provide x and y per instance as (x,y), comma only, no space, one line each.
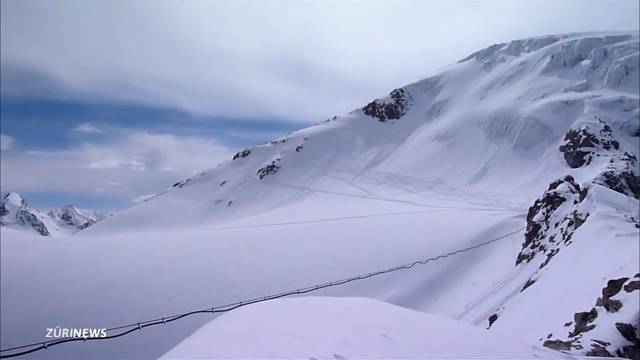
(16,213)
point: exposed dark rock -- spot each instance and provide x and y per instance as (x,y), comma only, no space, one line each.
(268,169)
(544,223)
(621,175)
(599,350)
(575,142)
(389,109)
(611,305)
(613,287)
(527,284)
(180,184)
(3,210)
(582,321)
(586,321)
(24,216)
(223,182)
(85,225)
(298,148)
(629,352)
(580,145)
(242,154)
(492,319)
(600,342)
(632,286)
(628,332)
(550,255)
(558,345)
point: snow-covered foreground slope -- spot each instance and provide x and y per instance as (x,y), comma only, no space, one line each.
(536,139)
(344,328)
(129,277)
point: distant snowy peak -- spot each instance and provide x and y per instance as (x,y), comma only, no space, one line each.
(15,212)
(71,216)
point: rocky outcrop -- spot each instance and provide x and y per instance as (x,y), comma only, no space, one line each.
(621,175)
(269,169)
(25,216)
(581,145)
(617,338)
(391,108)
(181,184)
(552,219)
(241,154)
(613,287)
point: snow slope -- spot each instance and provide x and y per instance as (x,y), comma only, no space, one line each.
(500,114)
(481,149)
(343,328)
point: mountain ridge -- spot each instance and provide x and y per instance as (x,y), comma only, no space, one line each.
(15,212)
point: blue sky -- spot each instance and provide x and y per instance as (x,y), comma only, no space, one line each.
(105,102)
(52,134)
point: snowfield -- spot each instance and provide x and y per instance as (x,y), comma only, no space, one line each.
(537,139)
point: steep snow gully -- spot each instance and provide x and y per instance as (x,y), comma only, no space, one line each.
(540,134)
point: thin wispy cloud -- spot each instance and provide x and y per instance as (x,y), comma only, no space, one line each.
(6,142)
(128,165)
(87,128)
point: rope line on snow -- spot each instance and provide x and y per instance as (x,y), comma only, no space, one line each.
(231,306)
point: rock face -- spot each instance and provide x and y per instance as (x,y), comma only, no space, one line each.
(390,108)
(552,219)
(16,212)
(562,209)
(269,169)
(600,331)
(582,144)
(621,175)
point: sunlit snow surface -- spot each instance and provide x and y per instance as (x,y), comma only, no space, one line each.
(344,328)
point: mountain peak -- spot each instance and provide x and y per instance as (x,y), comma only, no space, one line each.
(14,198)
(16,213)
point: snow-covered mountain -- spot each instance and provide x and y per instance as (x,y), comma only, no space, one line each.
(534,142)
(15,212)
(73,217)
